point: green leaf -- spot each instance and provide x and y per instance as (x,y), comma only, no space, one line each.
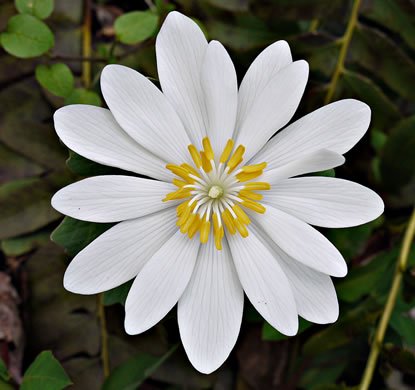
(131,374)
(23,244)
(84,167)
(117,294)
(39,8)
(83,96)
(4,372)
(25,204)
(57,78)
(362,280)
(45,373)
(397,164)
(26,36)
(401,359)
(75,235)
(134,27)
(269,333)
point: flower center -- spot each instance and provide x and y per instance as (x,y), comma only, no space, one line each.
(215,191)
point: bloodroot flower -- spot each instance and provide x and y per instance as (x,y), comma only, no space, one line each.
(223,211)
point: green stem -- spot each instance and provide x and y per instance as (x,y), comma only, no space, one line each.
(343,51)
(390,303)
(86,45)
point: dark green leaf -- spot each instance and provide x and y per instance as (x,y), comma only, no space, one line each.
(269,333)
(74,235)
(4,372)
(231,5)
(39,8)
(84,167)
(45,373)
(23,244)
(401,359)
(56,78)
(117,294)
(134,27)
(83,96)
(397,164)
(131,374)
(26,36)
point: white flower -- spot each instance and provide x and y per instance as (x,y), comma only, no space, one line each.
(253,220)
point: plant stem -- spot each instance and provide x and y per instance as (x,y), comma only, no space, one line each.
(343,51)
(104,336)
(390,303)
(86,45)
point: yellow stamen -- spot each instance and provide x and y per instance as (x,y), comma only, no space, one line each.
(181,193)
(208,149)
(180,171)
(194,227)
(190,169)
(241,214)
(257,186)
(243,231)
(250,204)
(243,176)
(229,221)
(250,194)
(207,166)
(217,231)
(183,217)
(195,155)
(204,231)
(254,168)
(227,151)
(181,207)
(189,222)
(236,159)
(179,183)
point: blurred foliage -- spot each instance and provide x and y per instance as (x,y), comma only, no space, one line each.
(40,70)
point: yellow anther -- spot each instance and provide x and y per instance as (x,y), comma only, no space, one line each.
(181,193)
(179,171)
(243,176)
(208,149)
(243,231)
(204,230)
(195,155)
(227,151)
(183,217)
(189,221)
(254,168)
(229,221)
(179,183)
(236,159)
(235,165)
(241,215)
(181,207)
(190,169)
(194,227)
(250,194)
(218,238)
(250,204)
(257,186)
(207,166)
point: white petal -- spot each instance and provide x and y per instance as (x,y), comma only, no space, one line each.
(264,282)
(120,253)
(161,283)
(301,241)
(93,133)
(112,198)
(210,309)
(336,127)
(273,108)
(314,293)
(144,113)
(180,49)
(220,89)
(314,162)
(326,201)
(268,63)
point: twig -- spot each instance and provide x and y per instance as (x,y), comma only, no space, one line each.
(343,51)
(390,303)
(86,45)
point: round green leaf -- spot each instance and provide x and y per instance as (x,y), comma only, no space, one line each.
(135,27)
(39,8)
(83,96)
(57,78)
(26,36)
